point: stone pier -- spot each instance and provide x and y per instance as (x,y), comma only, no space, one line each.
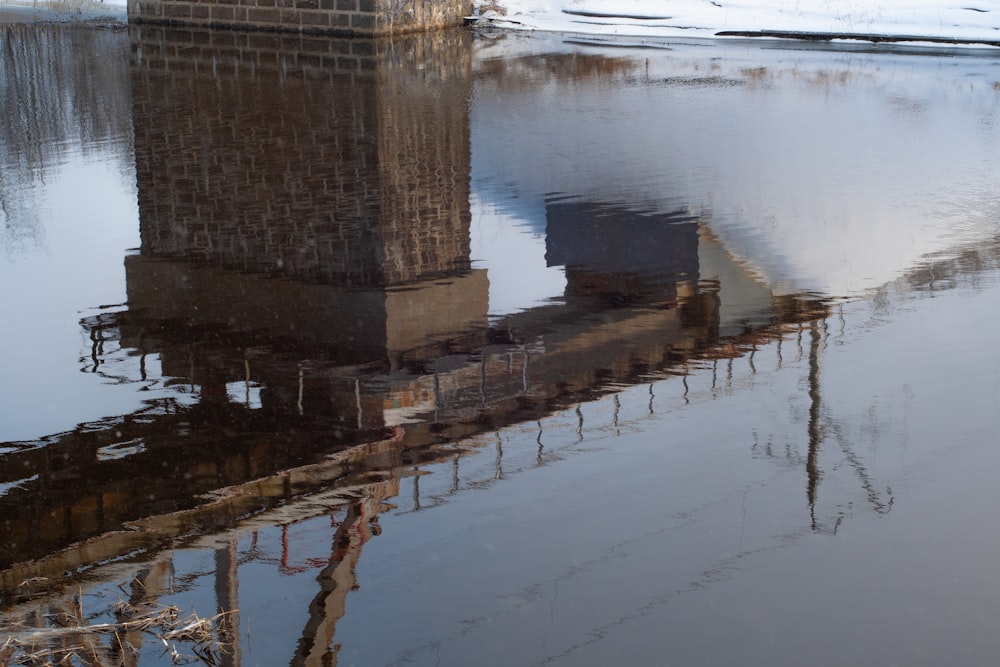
(369,18)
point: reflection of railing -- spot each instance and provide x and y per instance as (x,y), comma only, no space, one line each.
(504,453)
(540,362)
(821,426)
(139,466)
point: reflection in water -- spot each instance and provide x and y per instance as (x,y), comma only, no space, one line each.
(766,144)
(54,98)
(306,299)
(338,162)
(815,430)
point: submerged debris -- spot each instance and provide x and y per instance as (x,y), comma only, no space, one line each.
(68,640)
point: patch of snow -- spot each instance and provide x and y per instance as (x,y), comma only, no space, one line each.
(61,9)
(907,20)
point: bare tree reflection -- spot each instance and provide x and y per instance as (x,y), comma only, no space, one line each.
(58,99)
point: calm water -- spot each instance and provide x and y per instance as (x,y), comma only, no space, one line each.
(483,350)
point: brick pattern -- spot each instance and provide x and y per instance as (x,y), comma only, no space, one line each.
(349,17)
(417,194)
(309,161)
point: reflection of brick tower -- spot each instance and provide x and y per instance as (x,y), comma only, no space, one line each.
(424,159)
(340,162)
(278,175)
(619,255)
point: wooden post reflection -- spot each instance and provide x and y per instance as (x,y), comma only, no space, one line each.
(227,603)
(815,431)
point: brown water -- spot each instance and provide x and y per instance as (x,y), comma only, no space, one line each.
(470,349)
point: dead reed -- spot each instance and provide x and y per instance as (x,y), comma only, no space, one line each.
(67,640)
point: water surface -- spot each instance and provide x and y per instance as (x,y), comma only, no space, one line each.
(478,349)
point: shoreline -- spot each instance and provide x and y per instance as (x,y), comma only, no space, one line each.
(90,14)
(921,22)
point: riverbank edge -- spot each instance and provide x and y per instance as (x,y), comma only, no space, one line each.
(86,14)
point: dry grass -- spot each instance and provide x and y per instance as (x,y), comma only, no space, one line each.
(67,640)
(492,6)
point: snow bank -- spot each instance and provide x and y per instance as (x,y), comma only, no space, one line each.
(974,22)
(19,11)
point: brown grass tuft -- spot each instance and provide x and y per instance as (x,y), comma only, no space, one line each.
(68,641)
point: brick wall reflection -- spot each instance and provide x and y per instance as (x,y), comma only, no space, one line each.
(332,160)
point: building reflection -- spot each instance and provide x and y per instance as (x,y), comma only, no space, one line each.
(305,285)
